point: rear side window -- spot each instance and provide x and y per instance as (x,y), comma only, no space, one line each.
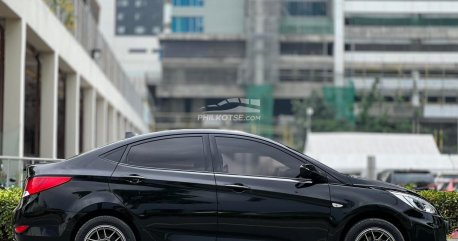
(181,153)
(115,155)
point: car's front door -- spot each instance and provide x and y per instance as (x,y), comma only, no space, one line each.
(261,197)
(168,185)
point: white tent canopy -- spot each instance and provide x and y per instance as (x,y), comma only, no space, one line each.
(348,152)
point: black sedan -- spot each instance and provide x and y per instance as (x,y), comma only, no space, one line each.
(208,185)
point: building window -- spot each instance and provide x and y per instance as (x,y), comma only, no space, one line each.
(139,30)
(123,3)
(138,3)
(413,20)
(188,3)
(120,16)
(121,29)
(137,51)
(298,8)
(81,120)
(139,17)
(61,115)
(187,24)
(32,110)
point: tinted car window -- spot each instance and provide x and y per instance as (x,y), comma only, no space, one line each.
(246,157)
(115,155)
(183,153)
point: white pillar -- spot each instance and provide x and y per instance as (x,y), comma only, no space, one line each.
(112,120)
(115,126)
(89,119)
(339,42)
(167,17)
(13,102)
(48,106)
(128,126)
(101,128)
(72,115)
(122,127)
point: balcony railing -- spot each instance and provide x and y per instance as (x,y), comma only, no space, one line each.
(306,26)
(78,17)
(12,169)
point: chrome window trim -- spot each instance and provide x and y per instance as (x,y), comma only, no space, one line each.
(285,179)
(167,170)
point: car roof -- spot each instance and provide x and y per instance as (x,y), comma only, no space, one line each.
(143,137)
(193,131)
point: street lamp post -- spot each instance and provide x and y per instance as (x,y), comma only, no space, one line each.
(308,124)
(415,101)
(309,113)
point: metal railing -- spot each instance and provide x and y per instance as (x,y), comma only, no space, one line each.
(12,168)
(306,26)
(85,30)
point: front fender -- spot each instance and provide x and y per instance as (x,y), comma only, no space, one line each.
(359,203)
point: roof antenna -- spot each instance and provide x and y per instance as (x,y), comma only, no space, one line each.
(129,134)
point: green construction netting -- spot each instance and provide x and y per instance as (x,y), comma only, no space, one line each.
(342,100)
(264,93)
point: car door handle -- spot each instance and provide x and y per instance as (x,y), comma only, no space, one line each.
(304,183)
(134,178)
(237,187)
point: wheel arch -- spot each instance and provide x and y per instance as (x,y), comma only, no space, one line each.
(105,210)
(380,213)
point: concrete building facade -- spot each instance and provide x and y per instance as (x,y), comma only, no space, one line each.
(132,27)
(408,46)
(201,65)
(62,91)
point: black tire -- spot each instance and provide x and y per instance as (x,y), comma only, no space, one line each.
(375,224)
(101,221)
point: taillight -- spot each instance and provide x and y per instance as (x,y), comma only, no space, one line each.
(21,228)
(39,184)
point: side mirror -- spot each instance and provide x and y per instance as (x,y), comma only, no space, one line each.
(309,171)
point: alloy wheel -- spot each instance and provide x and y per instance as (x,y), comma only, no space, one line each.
(104,233)
(375,234)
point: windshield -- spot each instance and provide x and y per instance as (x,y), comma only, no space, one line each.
(412,178)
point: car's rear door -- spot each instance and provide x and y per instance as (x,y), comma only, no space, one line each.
(260,196)
(168,186)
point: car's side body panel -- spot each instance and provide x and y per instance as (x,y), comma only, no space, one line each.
(271,208)
(189,205)
(169,205)
(54,213)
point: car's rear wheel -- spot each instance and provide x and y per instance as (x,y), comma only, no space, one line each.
(374,230)
(105,228)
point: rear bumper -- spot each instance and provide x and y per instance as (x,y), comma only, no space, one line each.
(42,234)
(48,227)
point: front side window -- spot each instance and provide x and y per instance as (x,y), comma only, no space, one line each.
(252,158)
(181,153)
